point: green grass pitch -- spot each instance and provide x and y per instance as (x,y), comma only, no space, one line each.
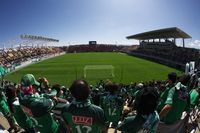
(66,68)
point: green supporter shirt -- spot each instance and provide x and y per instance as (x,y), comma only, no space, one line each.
(163,97)
(84,117)
(136,93)
(134,124)
(4,109)
(112,106)
(177,97)
(40,109)
(194,98)
(133,91)
(51,94)
(22,119)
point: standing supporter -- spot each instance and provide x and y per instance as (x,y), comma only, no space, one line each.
(194,94)
(80,115)
(37,105)
(95,96)
(29,84)
(147,118)
(193,82)
(58,89)
(130,105)
(65,92)
(57,93)
(172,77)
(22,119)
(44,85)
(4,109)
(176,102)
(112,104)
(194,97)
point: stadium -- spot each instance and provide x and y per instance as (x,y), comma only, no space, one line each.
(94,62)
(100,86)
(152,60)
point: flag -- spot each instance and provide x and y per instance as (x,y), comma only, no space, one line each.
(2,71)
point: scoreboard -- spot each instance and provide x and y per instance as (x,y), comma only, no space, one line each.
(92,42)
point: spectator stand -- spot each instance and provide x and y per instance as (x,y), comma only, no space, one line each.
(160,46)
(33,49)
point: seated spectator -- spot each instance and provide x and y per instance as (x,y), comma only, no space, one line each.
(81,115)
(147,118)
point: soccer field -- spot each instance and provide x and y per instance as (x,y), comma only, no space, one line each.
(66,68)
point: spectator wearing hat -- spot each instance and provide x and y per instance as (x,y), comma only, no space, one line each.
(39,106)
(29,84)
(80,115)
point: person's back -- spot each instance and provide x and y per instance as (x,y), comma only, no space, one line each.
(176,102)
(194,97)
(80,115)
(146,118)
(38,106)
(112,104)
(84,117)
(163,96)
(179,97)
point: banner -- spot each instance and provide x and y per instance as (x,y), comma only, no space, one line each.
(2,71)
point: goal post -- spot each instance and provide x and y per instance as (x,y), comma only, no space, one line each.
(98,71)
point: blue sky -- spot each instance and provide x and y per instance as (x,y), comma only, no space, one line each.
(106,21)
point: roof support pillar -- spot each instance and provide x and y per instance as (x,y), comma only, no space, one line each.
(174,40)
(183,42)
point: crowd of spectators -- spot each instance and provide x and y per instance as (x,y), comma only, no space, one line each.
(16,56)
(95,48)
(32,104)
(169,51)
(83,107)
(175,56)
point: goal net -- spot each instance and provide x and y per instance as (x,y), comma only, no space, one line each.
(98,71)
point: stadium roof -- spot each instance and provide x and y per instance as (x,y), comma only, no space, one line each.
(172,32)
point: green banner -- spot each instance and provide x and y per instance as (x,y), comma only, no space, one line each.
(2,71)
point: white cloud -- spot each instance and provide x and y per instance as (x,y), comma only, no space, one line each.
(194,44)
